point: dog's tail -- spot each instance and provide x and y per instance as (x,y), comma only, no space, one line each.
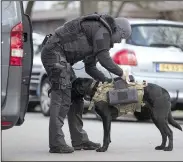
(174,102)
(173,122)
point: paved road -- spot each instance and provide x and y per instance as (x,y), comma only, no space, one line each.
(130,141)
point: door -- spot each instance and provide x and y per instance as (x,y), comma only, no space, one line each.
(16,64)
(27,63)
(10,17)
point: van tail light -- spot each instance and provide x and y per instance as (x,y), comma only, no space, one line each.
(6,123)
(16,45)
(125,57)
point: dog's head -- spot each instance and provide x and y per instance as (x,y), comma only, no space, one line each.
(85,87)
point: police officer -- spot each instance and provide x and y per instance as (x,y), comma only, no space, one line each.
(88,38)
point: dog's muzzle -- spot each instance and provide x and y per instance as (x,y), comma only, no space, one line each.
(90,92)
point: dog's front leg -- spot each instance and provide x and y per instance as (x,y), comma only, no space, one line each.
(104,111)
(106,136)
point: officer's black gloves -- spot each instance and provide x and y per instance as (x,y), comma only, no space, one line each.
(108,80)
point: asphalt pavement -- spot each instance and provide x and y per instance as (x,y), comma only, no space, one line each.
(131,140)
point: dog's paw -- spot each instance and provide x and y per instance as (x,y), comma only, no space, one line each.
(159,148)
(168,149)
(101,149)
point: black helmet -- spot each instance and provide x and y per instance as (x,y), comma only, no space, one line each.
(124,27)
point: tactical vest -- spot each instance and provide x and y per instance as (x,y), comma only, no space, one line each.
(73,29)
(74,40)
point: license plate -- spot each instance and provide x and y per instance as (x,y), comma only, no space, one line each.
(169,67)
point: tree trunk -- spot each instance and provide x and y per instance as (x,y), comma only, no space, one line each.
(88,7)
(120,8)
(167,15)
(111,8)
(29,7)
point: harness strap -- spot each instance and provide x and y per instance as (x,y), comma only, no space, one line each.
(108,86)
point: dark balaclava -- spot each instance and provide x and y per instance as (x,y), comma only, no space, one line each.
(123,30)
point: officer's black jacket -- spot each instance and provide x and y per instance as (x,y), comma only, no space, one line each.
(91,46)
(100,38)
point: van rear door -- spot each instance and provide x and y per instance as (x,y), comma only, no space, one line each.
(10,17)
(16,67)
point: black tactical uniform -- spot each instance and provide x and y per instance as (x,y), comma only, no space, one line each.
(89,39)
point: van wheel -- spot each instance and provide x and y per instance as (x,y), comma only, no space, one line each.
(44,99)
(143,115)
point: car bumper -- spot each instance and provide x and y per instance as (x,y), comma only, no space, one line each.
(171,85)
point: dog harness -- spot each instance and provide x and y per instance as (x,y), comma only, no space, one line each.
(103,89)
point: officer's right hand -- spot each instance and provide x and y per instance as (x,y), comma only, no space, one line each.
(125,75)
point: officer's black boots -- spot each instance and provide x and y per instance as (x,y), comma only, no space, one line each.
(89,145)
(62,149)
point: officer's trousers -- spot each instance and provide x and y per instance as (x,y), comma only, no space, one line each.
(61,106)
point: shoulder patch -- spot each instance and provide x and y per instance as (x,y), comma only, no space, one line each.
(106,36)
(101,40)
(100,44)
(103,43)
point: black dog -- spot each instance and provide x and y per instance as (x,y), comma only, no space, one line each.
(156,99)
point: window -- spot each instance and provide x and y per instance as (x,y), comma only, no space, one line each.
(10,13)
(37,42)
(157,35)
(37,49)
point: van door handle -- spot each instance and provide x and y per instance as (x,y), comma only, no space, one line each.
(25,37)
(26,80)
